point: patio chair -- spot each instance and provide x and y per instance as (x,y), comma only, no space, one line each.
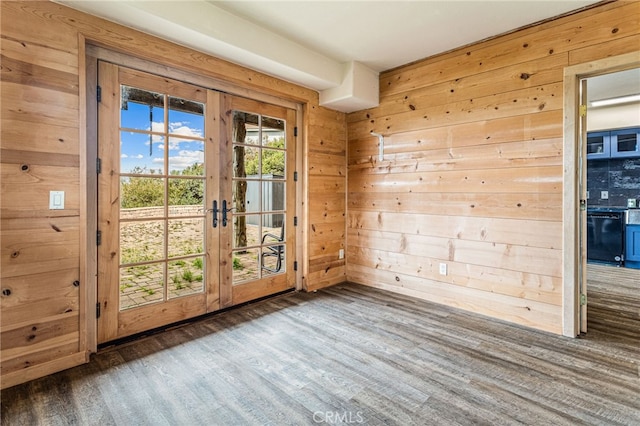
(276,251)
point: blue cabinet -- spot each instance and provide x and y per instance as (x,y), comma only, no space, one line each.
(613,143)
(625,143)
(598,145)
(632,249)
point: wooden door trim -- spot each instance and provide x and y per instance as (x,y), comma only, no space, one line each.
(572,261)
(211,83)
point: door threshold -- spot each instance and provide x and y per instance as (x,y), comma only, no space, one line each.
(138,336)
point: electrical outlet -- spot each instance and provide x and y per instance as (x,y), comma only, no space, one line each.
(604,195)
(443,269)
(587,195)
(341,254)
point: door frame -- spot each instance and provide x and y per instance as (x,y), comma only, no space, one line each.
(90,54)
(574,259)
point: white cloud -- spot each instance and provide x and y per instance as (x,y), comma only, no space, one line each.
(185,159)
(176,128)
(124,155)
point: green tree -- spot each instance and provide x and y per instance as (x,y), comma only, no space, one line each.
(187,191)
(149,191)
(272,159)
(141,191)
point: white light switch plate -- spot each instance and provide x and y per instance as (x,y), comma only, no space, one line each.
(604,195)
(56,200)
(443,269)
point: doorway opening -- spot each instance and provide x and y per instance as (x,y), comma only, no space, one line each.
(576,200)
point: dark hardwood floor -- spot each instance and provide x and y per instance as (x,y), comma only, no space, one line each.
(344,355)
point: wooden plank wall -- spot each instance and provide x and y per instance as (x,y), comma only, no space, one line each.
(41,151)
(327,191)
(472,174)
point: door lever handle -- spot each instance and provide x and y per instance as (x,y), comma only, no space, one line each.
(215,213)
(224,212)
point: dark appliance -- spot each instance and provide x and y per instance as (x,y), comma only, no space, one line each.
(605,236)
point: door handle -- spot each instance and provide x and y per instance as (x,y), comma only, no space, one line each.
(214,210)
(224,212)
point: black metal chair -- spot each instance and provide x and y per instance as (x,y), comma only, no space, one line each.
(276,251)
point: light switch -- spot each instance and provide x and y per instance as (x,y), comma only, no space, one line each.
(56,200)
(604,195)
(443,269)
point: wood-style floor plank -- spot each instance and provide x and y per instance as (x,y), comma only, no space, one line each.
(351,354)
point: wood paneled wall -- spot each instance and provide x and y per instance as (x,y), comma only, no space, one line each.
(327,170)
(42,143)
(472,173)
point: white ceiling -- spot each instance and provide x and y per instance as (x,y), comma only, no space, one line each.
(386,34)
(316,43)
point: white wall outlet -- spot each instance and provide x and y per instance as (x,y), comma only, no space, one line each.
(604,195)
(587,195)
(56,200)
(341,254)
(443,269)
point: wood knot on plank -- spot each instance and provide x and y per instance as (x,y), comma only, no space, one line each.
(525,76)
(24,167)
(6,292)
(15,254)
(614,31)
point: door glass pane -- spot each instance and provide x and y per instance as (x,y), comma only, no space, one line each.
(246,128)
(272,196)
(141,110)
(246,161)
(141,153)
(246,196)
(186,237)
(273,246)
(186,276)
(245,265)
(273,132)
(186,197)
(273,163)
(141,285)
(246,230)
(186,117)
(141,197)
(272,224)
(141,241)
(186,157)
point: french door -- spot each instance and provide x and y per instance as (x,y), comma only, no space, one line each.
(194,199)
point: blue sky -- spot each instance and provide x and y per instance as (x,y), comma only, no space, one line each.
(183,150)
